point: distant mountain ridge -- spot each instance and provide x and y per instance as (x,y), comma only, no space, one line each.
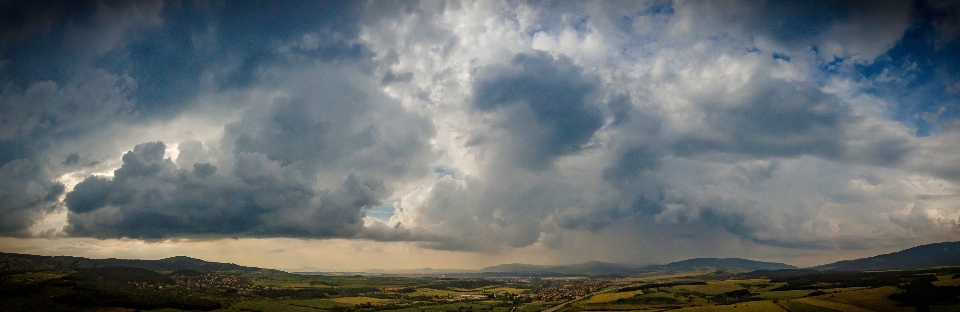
(25,262)
(925,256)
(719,264)
(596,268)
(591,268)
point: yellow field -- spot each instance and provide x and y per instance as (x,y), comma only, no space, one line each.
(872,299)
(313,303)
(443,293)
(360,300)
(740,307)
(657,277)
(747,281)
(611,297)
(947,280)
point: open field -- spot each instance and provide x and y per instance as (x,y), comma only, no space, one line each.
(360,300)
(536,306)
(611,297)
(832,305)
(947,280)
(875,299)
(127,289)
(758,306)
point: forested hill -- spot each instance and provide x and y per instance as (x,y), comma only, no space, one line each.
(932,255)
(718,264)
(23,262)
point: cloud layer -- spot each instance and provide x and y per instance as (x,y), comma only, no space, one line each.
(484,126)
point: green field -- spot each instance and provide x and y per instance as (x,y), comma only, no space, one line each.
(610,297)
(758,306)
(872,299)
(128,289)
(360,300)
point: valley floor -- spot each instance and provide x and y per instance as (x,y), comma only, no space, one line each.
(129,289)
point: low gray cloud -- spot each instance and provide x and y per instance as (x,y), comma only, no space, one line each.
(26,194)
(546,106)
(36,120)
(488,126)
(858,31)
(336,126)
(769,118)
(305,164)
(149,197)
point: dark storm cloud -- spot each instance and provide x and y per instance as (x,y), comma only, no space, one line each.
(544,108)
(726,173)
(921,71)
(46,110)
(546,105)
(336,125)
(53,40)
(390,77)
(51,94)
(851,30)
(73,69)
(304,164)
(26,194)
(172,50)
(740,120)
(770,118)
(149,197)
(72,159)
(40,117)
(232,42)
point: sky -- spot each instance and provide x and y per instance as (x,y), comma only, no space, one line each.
(353,135)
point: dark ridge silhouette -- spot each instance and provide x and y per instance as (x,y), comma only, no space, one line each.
(778,274)
(925,256)
(23,262)
(127,274)
(718,264)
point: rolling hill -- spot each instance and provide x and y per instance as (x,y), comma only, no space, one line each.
(24,262)
(717,264)
(931,255)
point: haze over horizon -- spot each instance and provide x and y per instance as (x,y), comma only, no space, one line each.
(355,135)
